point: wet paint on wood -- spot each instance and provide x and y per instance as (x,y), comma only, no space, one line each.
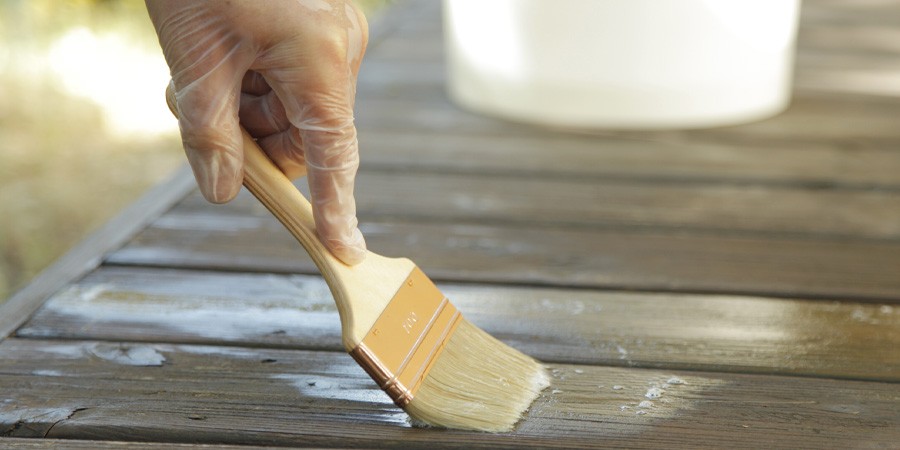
(697,332)
(281,397)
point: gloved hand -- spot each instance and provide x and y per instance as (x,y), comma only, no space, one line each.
(287,71)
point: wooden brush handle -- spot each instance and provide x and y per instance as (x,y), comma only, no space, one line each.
(276,192)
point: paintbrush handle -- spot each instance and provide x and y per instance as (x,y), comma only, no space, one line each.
(276,192)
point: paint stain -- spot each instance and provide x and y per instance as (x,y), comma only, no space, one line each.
(129,355)
(654,392)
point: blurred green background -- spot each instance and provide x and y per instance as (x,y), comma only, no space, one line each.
(84,128)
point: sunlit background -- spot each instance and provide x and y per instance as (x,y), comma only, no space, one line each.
(84,128)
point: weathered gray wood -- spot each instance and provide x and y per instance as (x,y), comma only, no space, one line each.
(697,332)
(558,155)
(605,258)
(812,118)
(229,395)
(37,443)
(88,254)
(593,203)
(850,13)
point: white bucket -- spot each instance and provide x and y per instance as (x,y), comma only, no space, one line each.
(622,63)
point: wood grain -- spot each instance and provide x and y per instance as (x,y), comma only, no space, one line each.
(811,118)
(516,200)
(596,258)
(554,155)
(696,332)
(36,443)
(278,397)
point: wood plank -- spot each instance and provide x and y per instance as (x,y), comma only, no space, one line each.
(554,155)
(849,73)
(87,255)
(812,118)
(874,42)
(228,395)
(596,258)
(9,443)
(848,13)
(694,332)
(517,200)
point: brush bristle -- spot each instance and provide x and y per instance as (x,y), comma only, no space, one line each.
(477,383)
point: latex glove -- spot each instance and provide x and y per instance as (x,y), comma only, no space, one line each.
(287,70)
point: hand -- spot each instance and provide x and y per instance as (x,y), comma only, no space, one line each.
(286,71)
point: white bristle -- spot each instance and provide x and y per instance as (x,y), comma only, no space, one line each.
(477,383)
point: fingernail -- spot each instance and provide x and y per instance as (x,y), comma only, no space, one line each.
(218,174)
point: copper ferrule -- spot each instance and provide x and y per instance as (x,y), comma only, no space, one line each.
(406,340)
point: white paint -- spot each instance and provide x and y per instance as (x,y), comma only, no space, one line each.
(214,350)
(859,315)
(128,354)
(623,353)
(645,404)
(68,351)
(262,305)
(675,381)
(349,389)
(654,392)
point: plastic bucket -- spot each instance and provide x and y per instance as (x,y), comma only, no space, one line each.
(622,63)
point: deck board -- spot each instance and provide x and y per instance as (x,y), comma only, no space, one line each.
(835,165)
(72,444)
(693,332)
(286,397)
(514,200)
(863,270)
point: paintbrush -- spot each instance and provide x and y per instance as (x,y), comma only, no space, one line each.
(436,365)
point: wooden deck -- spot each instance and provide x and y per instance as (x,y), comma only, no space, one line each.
(752,273)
